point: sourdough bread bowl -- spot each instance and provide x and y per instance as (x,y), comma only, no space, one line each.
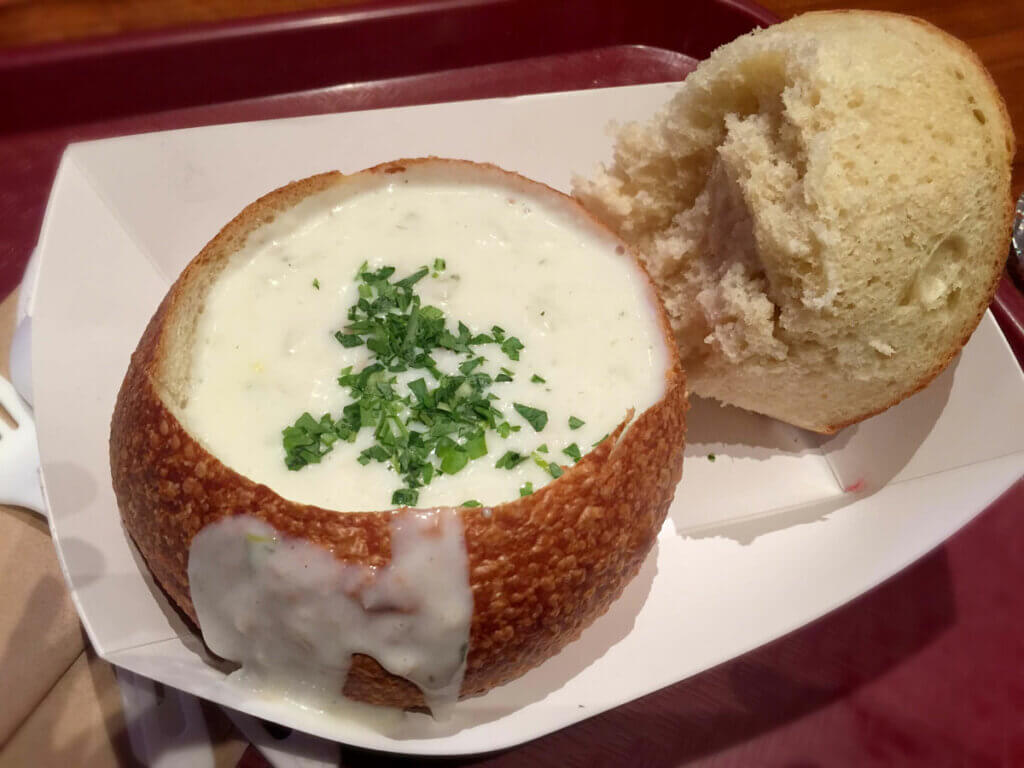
(539,566)
(825,207)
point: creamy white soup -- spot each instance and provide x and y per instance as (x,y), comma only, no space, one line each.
(580,314)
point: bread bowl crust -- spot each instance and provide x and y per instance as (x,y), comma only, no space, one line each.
(998,248)
(541,568)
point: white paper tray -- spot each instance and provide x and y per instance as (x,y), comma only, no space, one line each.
(782,527)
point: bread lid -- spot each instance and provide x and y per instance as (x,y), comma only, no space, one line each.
(825,206)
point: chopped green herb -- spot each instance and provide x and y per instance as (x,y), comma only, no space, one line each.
(419,388)
(348,339)
(471,503)
(415,277)
(470,365)
(509,460)
(526,489)
(308,440)
(476,447)
(537,418)
(537,379)
(601,439)
(437,422)
(711,457)
(316,283)
(511,347)
(575,423)
(573,452)
(453,461)
(543,447)
(551,467)
(405,497)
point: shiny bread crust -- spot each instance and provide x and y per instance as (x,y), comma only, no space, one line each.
(998,250)
(541,568)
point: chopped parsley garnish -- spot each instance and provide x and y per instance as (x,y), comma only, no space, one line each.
(415,277)
(535,416)
(308,440)
(511,347)
(477,446)
(600,439)
(711,457)
(348,339)
(434,423)
(551,467)
(405,497)
(470,365)
(510,460)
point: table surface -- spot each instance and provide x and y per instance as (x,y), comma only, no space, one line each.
(924,670)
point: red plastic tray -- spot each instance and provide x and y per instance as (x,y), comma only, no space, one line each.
(373,55)
(924,670)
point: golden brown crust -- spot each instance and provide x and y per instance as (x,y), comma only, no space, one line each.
(541,568)
(998,248)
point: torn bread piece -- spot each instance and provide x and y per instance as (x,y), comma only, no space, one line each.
(825,207)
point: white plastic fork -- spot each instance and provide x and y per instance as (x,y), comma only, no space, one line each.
(19,454)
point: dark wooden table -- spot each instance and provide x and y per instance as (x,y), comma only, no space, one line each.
(925,670)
